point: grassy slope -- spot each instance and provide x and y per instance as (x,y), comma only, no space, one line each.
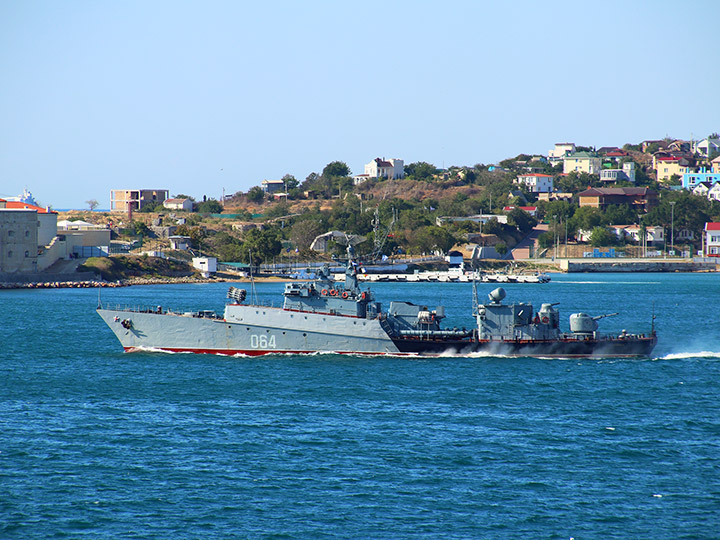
(125,266)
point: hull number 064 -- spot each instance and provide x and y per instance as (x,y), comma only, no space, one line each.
(262,341)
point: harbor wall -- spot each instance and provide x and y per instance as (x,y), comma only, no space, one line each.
(638,265)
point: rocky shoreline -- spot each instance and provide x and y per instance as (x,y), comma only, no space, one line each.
(128,282)
(97,283)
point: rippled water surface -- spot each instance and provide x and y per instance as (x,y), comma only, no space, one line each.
(97,443)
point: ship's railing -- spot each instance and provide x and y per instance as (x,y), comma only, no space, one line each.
(135,308)
(162,310)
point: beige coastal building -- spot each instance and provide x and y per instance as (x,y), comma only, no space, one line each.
(124,200)
(580,162)
(668,166)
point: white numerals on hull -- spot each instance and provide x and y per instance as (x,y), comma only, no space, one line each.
(262,341)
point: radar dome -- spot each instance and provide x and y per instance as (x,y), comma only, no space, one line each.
(497,295)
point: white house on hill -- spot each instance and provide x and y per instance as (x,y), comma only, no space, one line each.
(382,168)
(537,183)
(178,204)
(712,239)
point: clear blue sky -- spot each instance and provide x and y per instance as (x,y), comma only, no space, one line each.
(197,96)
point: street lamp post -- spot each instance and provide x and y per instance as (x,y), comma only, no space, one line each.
(672,226)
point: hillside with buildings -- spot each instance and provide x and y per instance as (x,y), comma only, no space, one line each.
(658,197)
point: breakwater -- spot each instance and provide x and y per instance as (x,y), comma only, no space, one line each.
(637,265)
(83,284)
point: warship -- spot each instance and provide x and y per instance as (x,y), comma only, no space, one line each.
(328,315)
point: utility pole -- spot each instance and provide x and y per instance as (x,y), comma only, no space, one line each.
(672,226)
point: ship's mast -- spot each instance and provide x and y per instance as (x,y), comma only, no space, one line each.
(474,295)
(351,282)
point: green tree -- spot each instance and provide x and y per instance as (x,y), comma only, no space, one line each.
(92,204)
(560,209)
(620,214)
(585,218)
(546,240)
(151,207)
(421,170)
(227,247)
(139,228)
(210,206)
(290,182)
(336,169)
(492,226)
(197,235)
(575,182)
(428,239)
(256,194)
(280,209)
(304,232)
(600,236)
(522,220)
(310,181)
(263,245)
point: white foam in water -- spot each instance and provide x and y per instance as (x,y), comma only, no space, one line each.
(612,282)
(699,354)
(485,354)
(143,348)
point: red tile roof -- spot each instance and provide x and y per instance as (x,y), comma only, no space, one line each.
(712,226)
(590,192)
(17,205)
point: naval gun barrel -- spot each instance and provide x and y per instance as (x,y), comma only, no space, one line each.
(598,317)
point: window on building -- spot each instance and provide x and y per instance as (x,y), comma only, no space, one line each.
(11,233)
(27,254)
(10,254)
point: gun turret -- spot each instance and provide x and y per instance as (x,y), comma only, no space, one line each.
(598,317)
(584,324)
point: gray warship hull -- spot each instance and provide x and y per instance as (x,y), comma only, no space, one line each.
(258,330)
(330,316)
(254,330)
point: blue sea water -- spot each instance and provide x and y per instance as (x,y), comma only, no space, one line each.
(97,443)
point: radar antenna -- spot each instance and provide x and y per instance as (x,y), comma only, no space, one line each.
(381,236)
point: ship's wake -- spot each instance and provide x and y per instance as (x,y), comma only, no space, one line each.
(685,355)
(145,349)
